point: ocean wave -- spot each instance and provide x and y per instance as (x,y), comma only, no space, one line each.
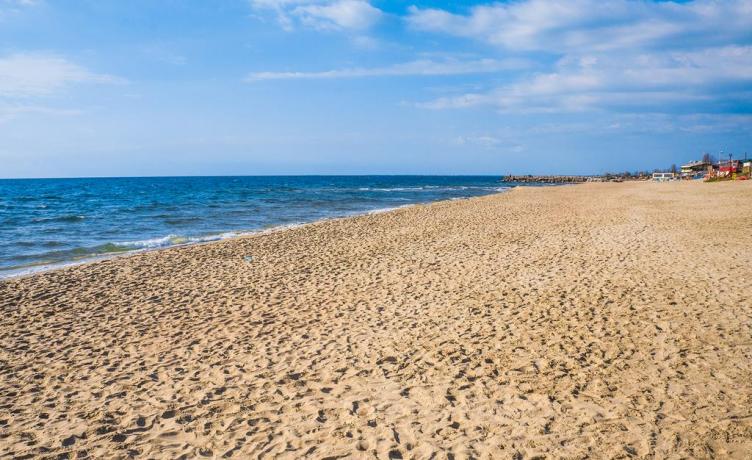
(149,243)
(174,240)
(392,208)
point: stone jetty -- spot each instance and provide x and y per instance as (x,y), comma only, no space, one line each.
(548,179)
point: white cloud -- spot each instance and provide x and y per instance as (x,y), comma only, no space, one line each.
(609,54)
(17,3)
(346,14)
(483,141)
(621,81)
(421,67)
(641,123)
(13,7)
(561,26)
(606,54)
(322,14)
(31,75)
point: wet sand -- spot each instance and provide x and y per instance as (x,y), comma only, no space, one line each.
(597,320)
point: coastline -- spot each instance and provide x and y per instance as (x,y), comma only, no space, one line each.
(209,239)
(50,223)
(600,320)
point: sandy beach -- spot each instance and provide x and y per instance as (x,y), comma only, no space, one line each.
(588,321)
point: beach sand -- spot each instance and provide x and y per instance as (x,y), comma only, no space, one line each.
(597,320)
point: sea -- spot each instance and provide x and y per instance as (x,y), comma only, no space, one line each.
(46,223)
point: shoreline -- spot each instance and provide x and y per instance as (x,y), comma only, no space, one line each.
(601,320)
(128,217)
(46,268)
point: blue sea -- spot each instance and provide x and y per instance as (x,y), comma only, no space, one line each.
(50,222)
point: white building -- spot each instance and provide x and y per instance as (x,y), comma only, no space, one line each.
(663,176)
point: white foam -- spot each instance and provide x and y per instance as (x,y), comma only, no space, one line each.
(150,243)
(383,210)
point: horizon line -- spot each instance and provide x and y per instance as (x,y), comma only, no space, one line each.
(318,175)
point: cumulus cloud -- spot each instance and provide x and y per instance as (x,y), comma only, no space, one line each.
(321,14)
(32,75)
(609,54)
(421,67)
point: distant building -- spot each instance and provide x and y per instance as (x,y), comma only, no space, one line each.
(663,176)
(695,169)
(729,167)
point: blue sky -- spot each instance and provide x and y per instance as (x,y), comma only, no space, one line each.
(149,87)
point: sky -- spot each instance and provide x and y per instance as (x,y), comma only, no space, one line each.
(245,87)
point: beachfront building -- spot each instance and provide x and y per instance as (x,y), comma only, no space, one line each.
(695,169)
(663,176)
(729,168)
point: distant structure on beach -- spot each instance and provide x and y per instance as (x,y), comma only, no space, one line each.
(708,168)
(663,176)
(695,169)
(729,169)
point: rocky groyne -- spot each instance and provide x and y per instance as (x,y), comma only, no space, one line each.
(548,179)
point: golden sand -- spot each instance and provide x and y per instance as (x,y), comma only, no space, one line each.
(600,320)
